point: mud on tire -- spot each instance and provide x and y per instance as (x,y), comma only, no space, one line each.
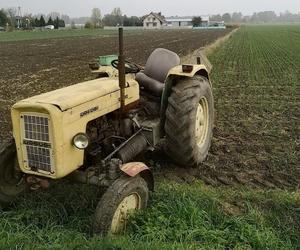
(105,216)
(190,104)
(11,179)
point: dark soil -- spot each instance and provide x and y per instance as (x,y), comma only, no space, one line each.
(29,68)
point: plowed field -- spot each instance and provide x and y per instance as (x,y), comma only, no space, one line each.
(256,87)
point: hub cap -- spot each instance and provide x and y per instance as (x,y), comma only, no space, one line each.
(127,205)
(202,121)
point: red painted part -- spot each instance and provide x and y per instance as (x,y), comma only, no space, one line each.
(138,168)
(134,168)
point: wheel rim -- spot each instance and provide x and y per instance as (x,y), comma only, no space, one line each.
(202,121)
(127,205)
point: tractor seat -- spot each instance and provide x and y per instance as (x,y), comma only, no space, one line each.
(152,79)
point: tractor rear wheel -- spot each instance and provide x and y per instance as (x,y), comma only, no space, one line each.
(127,194)
(12,182)
(189,121)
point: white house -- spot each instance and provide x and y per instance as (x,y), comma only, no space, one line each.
(154,21)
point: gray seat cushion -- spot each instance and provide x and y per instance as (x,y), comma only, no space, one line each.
(157,67)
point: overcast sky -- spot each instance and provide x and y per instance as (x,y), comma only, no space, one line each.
(77,8)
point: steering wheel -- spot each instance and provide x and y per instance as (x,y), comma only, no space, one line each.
(129,66)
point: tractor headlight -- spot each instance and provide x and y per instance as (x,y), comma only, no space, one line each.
(81,141)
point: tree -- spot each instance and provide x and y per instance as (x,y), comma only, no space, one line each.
(66,19)
(197,21)
(96,18)
(12,12)
(217,18)
(117,17)
(42,21)
(132,21)
(36,22)
(56,23)
(226,18)
(3,18)
(73,25)
(267,16)
(61,23)
(54,15)
(89,25)
(237,17)
(50,21)
(116,12)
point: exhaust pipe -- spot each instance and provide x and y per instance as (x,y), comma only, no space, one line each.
(121,69)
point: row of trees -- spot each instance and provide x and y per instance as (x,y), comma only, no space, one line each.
(4,20)
(258,17)
(8,18)
(40,22)
(115,18)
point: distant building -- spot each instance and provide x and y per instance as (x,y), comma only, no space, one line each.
(178,22)
(217,24)
(154,21)
(205,21)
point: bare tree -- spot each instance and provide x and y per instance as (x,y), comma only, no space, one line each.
(53,15)
(237,17)
(117,17)
(66,18)
(12,13)
(116,12)
(96,18)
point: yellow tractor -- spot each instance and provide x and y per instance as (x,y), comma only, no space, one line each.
(93,131)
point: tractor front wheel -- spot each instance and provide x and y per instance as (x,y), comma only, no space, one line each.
(126,195)
(12,182)
(189,121)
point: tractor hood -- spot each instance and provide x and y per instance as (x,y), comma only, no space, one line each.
(75,95)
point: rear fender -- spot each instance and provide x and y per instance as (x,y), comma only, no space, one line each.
(174,74)
(133,169)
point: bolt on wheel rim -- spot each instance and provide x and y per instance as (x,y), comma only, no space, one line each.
(202,121)
(127,205)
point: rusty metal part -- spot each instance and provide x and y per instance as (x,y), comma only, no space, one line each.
(133,168)
(138,168)
(121,68)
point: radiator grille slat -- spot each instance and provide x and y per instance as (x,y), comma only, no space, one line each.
(37,142)
(36,128)
(39,158)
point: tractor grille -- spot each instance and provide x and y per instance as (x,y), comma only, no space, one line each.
(37,144)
